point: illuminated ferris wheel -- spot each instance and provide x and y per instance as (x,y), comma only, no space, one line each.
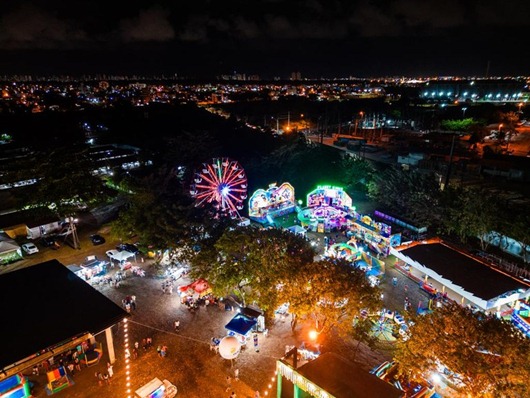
(223,183)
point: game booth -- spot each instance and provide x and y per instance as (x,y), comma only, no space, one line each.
(241,327)
(266,205)
(376,234)
(328,209)
(58,379)
(16,386)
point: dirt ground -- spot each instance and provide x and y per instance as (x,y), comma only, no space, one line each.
(190,364)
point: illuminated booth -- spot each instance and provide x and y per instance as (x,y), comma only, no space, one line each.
(328,208)
(241,326)
(58,380)
(266,205)
(376,234)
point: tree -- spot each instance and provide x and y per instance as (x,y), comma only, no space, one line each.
(162,213)
(458,124)
(471,212)
(329,294)
(357,172)
(487,356)
(252,263)
(65,179)
(516,226)
(413,194)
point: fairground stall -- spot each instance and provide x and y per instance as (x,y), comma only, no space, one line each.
(241,326)
(83,313)
(58,379)
(377,235)
(328,209)
(195,293)
(266,205)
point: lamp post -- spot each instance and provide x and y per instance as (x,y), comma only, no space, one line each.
(464,109)
(361,114)
(520,105)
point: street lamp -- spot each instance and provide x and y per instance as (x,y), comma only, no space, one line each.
(464,112)
(520,105)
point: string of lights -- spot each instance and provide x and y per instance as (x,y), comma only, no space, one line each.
(127,355)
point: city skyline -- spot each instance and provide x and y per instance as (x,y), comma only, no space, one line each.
(272,38)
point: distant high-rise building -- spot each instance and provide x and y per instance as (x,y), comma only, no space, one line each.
(296,76)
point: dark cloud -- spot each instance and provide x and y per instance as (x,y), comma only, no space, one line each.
(31,27)
(150,25)
(230,32)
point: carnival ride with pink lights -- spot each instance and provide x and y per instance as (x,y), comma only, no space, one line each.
(328,208)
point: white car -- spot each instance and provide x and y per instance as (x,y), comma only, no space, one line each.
(30,248)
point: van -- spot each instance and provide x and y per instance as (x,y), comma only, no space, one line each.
(157,389)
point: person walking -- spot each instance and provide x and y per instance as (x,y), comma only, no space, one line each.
(256,394)
(256,342)
(228,383)
(236,374)
(177,325)
(110,370)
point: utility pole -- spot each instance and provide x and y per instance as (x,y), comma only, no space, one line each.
(447,176)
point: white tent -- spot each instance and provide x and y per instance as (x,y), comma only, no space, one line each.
(297,230)
(120,256)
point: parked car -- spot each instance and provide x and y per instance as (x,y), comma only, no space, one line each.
(30,248)
(128,247)
(49,241)
(97,239)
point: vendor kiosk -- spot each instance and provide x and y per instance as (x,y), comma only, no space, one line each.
(58,380)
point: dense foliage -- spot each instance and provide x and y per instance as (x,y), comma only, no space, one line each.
(484,355)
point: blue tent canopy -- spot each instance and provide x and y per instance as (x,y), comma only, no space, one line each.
(241,324)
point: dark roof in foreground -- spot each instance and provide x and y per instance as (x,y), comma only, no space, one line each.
(344,379)
(472,275)
(46,304)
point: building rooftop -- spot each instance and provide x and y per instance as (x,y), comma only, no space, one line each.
(47,304)
(463,270)
(344,379)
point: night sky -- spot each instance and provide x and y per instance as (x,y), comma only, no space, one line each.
(318,38)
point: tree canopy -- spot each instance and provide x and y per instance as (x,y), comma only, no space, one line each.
(330,295)
(65,179)
(484,356)
(471,212)
(413,193)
